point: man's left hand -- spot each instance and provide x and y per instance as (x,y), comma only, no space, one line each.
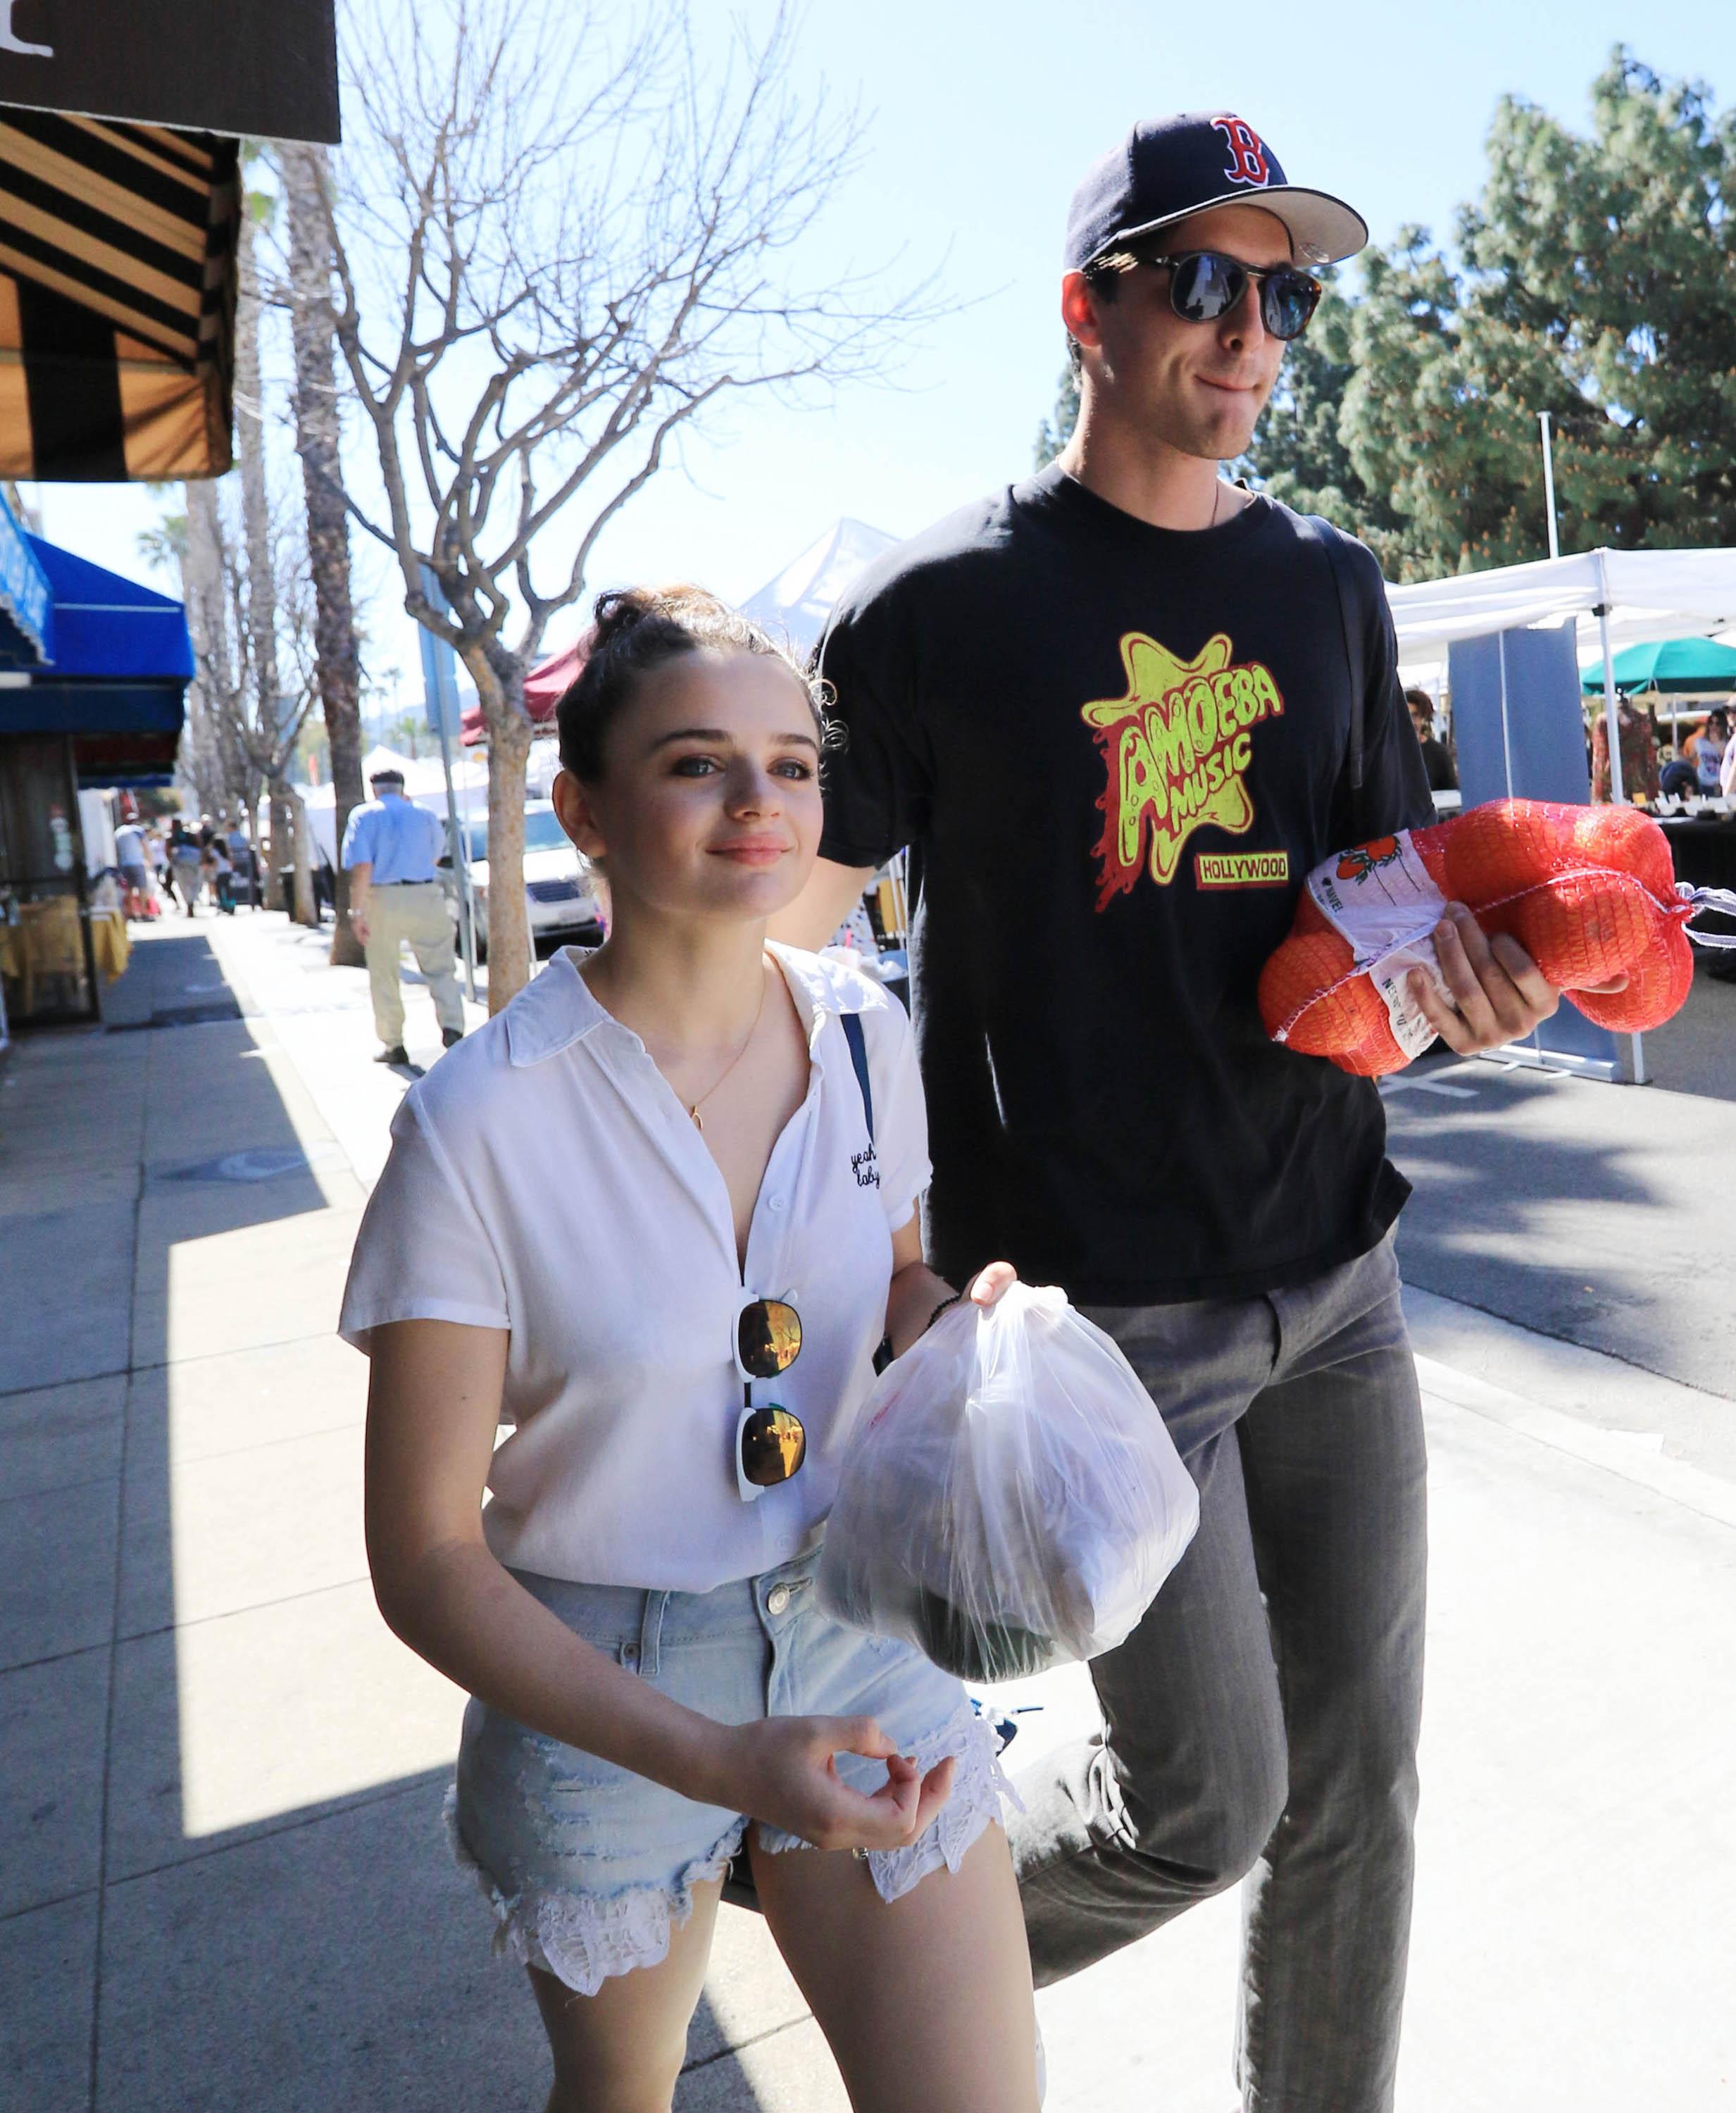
(1499,993)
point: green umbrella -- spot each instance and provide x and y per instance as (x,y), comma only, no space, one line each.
(1686,665)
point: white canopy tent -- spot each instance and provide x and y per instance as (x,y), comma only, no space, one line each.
(1613,598)
(1649,594)
(797,603)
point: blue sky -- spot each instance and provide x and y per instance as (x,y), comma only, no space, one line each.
(982,118)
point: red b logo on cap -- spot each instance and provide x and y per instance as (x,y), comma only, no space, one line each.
(1247,163)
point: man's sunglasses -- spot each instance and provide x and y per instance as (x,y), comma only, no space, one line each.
(770,1442)
(1205,284)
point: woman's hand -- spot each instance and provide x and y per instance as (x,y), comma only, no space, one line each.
(916,1293)
(783,1770)
(992,1283)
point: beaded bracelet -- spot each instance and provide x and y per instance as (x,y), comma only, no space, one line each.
(938,1310)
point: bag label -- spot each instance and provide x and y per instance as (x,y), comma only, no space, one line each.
(1380,899)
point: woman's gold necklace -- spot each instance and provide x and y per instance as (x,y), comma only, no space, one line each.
(694,1110)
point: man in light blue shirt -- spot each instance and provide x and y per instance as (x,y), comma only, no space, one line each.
(390,847)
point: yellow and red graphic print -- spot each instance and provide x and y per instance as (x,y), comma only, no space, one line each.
(1176,747)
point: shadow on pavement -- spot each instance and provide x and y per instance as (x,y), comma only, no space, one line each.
(1696,1051)
(1595,1213)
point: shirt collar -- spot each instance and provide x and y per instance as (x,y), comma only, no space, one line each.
(556,1009)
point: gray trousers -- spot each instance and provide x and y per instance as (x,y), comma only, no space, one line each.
(1262,1719)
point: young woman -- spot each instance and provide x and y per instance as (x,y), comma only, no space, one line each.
(655,1217)
(1705,750)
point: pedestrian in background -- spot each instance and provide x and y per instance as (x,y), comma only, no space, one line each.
(1640,778)
(1437,757)
(185,864)
(159,863)
(1705,750)
(219,873)
(131,857)
(392,849)
(241,859)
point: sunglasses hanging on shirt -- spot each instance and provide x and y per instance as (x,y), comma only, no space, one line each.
(770,1441)
(1205,284)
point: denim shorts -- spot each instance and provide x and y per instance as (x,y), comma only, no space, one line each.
(588,1866)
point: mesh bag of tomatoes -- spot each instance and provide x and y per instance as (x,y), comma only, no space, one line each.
(1589,893)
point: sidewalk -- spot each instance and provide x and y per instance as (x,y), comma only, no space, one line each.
(222,1879)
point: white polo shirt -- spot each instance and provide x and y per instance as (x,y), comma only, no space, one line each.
(545,1179)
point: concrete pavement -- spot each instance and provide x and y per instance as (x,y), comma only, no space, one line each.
(1600,1216)
(223,1882)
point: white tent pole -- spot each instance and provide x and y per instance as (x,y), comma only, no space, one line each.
(1618,790)
(1612,730)
(1555,540)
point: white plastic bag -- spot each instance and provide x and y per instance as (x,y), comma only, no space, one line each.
(1009,1499)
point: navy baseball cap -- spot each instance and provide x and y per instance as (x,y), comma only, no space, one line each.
(1174,166)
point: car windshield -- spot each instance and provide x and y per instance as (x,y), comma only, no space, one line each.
(543,832)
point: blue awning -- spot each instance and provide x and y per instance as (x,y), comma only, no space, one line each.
(26,599)
(121,662)
(111,629)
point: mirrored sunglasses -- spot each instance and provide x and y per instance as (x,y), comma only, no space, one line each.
(771,1443)
(1205,284)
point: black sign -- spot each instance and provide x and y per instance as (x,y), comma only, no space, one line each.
(266,68)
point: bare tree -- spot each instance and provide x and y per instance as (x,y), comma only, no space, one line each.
(256,611)
(209,756)
(556,247)
(318,441)
(255,717)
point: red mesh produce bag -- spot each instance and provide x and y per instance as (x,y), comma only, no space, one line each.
(1589,893)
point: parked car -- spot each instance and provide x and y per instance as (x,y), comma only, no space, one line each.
(563,900)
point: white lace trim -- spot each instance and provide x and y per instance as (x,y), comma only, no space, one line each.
(979,1790)
(584,1938)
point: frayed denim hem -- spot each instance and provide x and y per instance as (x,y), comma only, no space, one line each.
(584,1938)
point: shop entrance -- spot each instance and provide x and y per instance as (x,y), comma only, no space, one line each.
(46,968)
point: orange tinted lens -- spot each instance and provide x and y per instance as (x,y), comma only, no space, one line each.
(769,1338)
(773,1446)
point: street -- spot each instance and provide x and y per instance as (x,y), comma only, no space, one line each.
(1596,1214)
(223,1878)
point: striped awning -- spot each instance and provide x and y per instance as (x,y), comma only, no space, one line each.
(118,299)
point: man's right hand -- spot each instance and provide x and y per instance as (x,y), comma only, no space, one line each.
(358,924)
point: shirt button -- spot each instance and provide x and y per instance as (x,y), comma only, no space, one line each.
(777,1600)
(774,1203)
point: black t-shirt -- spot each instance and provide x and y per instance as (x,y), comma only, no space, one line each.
(1115,752)
(1437,766)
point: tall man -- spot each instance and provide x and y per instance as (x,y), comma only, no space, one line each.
(391,848)
(1118,713)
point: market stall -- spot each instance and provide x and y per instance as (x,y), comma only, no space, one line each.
(93,669)
(1611,600)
